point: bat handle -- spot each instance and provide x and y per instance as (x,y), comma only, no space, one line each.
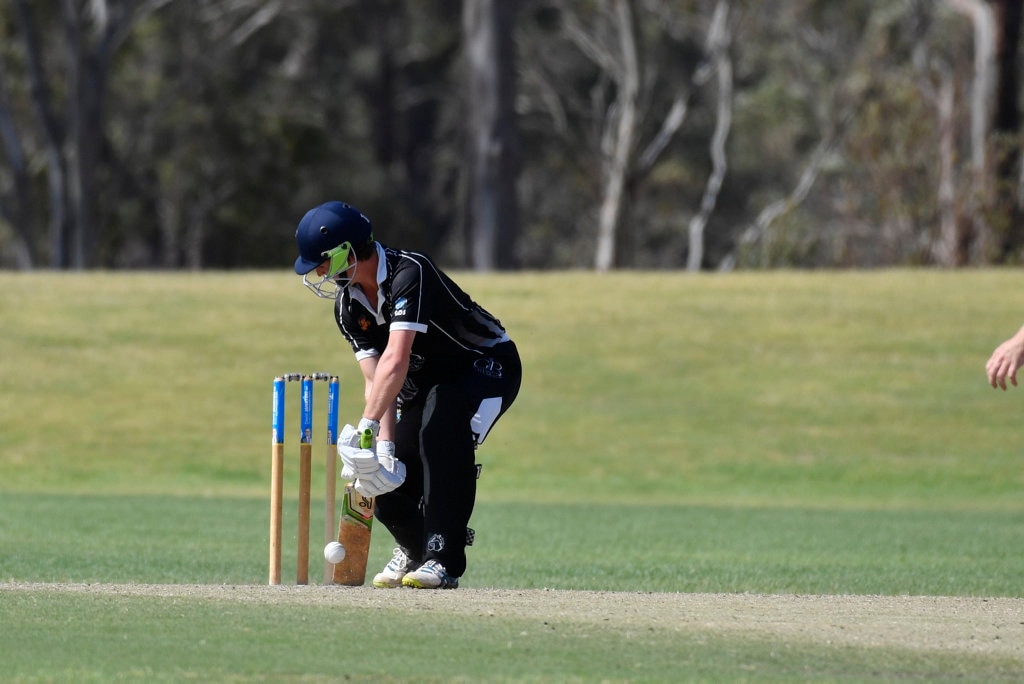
(366,439)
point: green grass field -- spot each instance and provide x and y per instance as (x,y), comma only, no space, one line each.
(771,433)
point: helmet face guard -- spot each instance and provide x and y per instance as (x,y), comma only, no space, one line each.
(338,258)
(335,280)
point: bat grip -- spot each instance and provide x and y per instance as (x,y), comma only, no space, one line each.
(366,439)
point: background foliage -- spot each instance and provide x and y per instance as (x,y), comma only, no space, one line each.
(210,127)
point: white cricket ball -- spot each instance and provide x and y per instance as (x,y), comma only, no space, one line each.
(334,552)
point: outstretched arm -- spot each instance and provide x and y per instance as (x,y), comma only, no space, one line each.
(388,376)
(1007,358)
(376,469)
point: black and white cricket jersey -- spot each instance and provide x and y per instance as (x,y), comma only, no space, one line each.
(414,294)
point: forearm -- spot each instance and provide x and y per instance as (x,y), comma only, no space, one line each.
(382,392)
(387,423)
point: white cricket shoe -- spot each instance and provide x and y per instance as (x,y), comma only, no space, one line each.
(392,574)
(430,575)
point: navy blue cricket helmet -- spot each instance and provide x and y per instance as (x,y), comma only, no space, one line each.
(330,231)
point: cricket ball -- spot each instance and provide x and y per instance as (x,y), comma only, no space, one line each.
(334,552)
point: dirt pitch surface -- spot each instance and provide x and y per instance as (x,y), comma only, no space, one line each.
(992,626)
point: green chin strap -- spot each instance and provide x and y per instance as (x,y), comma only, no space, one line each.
(339,259)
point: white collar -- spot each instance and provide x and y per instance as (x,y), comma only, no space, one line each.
(382,274)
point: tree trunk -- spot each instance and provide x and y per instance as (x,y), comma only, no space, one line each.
(60,219)
(718,47)
(945,250)
(17,210)
(84,135)
(618,143)
(1006,127)
(975,235)
(492,214)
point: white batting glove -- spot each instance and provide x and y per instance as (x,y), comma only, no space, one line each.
(385,451)
(350,436)
(356,462)
(389,476)
(372,425)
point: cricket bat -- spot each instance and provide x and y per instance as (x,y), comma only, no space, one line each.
(354,529)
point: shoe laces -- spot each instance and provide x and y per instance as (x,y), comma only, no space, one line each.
(399,561)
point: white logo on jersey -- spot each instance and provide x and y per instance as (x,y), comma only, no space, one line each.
(488,367)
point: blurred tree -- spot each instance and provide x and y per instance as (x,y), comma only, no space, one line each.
(90,33)
(1008,185)
(983,21)
(648,134)
(16,202)
(492,156)
(644,68)
(719,37)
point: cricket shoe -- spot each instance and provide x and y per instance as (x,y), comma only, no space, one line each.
(430,575)
(392,574)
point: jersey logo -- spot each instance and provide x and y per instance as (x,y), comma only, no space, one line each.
(364,323)
(400,305)
(488,367)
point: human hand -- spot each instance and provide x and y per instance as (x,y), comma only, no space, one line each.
(356,461)
(385,451)
(1007,358)
(383,481)
(372,425)
(353,436)
(389,476)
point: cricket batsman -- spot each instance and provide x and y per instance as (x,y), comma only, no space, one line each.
(439,370)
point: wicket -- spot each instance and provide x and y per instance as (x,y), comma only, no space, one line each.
(305,471)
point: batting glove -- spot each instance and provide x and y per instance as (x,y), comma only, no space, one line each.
(350,436)
(389,476)
(356,462)
(372,425)
(385,451)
